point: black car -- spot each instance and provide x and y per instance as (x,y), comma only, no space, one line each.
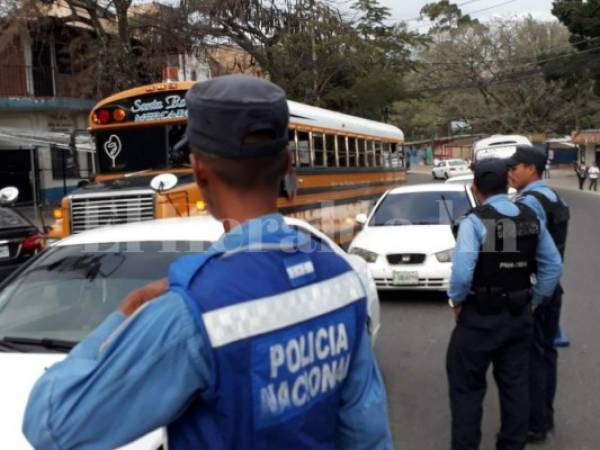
(19,239)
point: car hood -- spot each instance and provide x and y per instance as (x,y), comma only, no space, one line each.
(405,239)
(18,374)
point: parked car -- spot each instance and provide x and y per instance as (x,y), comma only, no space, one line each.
(407,239)
(450,168)
(468,180)
(19,238)
(63,294)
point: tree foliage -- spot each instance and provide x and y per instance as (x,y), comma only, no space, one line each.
(316,53)
(582,18)
(493,77)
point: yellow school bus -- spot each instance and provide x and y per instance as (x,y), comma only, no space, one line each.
(342,164)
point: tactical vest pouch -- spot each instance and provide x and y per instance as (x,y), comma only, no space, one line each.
(517,301)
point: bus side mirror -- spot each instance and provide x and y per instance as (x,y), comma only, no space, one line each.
(163,182)
(361,219)
(8,195)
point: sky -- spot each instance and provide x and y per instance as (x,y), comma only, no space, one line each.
(408,10)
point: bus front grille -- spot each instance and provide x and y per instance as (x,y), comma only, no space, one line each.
(93,211)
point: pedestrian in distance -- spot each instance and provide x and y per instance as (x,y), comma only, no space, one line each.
(593,173)
(499,246)
(258,343)
(525,169)
(581,172)
(547,169)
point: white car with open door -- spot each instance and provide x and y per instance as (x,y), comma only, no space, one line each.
(407,239)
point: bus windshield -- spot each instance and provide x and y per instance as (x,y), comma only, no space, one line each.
(134,149)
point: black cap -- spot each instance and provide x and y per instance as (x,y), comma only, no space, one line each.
(225,110)
(526,154)
(491,174)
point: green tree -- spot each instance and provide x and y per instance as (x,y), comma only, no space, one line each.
(446,16)
(492,77)
(582,18)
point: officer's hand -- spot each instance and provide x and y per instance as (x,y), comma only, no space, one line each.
(457,310)
(137,298)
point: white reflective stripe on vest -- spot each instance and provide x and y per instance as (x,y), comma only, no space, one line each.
(254,317)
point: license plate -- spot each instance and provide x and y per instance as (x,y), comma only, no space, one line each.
(405,278)
(4,251)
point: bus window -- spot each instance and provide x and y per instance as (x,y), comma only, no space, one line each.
(342,150)
(371,160)
(178,156)
(303,144)
(360,155)
(353,151)
(395,157)
(319,149)
(330,144)
(387,154)
(378,154)
(292,147)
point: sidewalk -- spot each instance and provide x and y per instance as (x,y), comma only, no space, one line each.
(566,179)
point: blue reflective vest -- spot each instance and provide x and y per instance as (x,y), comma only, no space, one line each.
(283,323)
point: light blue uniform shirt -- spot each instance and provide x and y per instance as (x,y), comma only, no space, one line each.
(534,203)
(133,375)
(471,235)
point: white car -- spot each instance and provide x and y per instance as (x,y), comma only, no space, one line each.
(62,295)
(498,146)
(407,239)
(450,168)
(468,181)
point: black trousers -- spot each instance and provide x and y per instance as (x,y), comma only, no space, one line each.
(478,341)
(581,182)
(593,184)
(543,365)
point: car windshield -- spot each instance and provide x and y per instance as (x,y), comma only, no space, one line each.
(420,208)
(457,162)
(69,290)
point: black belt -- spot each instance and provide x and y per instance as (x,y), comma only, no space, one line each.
(493,300)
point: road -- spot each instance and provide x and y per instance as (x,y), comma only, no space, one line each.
(411,350)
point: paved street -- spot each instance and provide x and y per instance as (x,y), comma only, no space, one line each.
(415,332)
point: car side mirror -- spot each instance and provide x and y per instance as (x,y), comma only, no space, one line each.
(8,195)
(361,219)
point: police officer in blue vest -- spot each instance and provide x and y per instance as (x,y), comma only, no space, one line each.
(500,245)
(259,343)
(526,168)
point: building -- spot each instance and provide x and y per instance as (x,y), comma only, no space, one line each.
(40,93)
(589,145)
(44,92)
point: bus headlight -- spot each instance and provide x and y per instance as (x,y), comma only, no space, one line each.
(57,213)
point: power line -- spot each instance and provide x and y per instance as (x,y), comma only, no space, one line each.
(420,18)
(413,19)
(491,7)
(513,77)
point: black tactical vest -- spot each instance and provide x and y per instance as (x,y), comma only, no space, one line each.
(506,259)
(557,218)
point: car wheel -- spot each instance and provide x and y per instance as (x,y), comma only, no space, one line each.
(433,175)
(446,175)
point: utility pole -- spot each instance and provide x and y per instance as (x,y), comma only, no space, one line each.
(313,44)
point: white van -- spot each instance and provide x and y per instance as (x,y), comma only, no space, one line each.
(498,146)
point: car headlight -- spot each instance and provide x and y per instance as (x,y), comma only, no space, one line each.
(367,255)
(445,256)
